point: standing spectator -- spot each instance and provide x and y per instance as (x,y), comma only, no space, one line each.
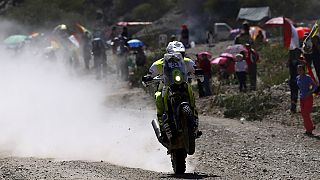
(185,36)
(99,56)
(86,49)
(241,69)
(252,58)
(199,83)
(312,54)
(259,41)
(244,37)
(306,86)
(204,64)
(120,49)
(113,33)
(140,57)
(315,55)
(293,63)
(125,32)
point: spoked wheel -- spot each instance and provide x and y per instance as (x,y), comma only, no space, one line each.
(178,160)
(188,123)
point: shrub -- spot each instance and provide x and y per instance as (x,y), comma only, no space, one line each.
(272,68)
(252,106)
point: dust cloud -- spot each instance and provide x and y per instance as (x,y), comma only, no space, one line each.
(49,111)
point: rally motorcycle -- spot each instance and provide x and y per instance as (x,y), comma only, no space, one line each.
(180,131)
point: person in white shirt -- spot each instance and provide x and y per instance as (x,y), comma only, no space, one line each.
(241,68)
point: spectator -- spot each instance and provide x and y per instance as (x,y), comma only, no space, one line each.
(185,36)
(140,57)
(252,58)
(199,83)
(125,32)
(315,55)
(259,41)
(293,63)
(204,64)
(244,37)
(241,69)
(306,86)
(86,49)
(120,49)
(113,33)
(99,56)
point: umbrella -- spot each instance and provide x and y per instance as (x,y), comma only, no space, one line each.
(15,39)
(135,43)
(133,23)
(235,49)
(205,53)
(82,29)
(227,55)
(219,60)
(278,21)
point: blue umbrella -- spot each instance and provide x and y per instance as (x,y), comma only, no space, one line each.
(135,43)
(15,39)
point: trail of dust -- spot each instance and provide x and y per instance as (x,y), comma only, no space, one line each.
(47,111)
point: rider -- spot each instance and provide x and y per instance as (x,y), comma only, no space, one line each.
(157,69)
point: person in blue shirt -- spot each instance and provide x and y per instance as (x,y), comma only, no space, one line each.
(306,87)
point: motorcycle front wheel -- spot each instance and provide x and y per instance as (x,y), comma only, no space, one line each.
(178,160)
(188,123)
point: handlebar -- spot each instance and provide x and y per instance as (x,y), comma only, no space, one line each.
(148,79)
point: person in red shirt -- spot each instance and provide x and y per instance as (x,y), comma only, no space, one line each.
(203,63)
(252,57)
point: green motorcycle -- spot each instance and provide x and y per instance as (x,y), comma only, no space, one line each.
(179,130)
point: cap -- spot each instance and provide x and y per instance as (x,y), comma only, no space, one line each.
(239,56)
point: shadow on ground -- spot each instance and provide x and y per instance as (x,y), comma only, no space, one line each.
(191,176)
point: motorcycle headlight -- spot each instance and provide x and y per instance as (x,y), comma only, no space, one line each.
(177,78)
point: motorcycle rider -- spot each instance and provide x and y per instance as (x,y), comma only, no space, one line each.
(157,69)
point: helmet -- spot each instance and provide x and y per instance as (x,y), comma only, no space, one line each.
(175,46)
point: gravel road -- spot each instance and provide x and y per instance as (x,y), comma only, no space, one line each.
(228,149)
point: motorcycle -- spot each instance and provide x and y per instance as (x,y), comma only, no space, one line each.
(179,135)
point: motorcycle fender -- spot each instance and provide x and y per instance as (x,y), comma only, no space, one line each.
(178,114)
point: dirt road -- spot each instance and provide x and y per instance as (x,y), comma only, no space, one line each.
(228,149)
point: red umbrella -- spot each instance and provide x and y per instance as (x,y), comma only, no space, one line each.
(278,21)
(302,30)
(205,53)
(235,49)
(227,55)
(219,60)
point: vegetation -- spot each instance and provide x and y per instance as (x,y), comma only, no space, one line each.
(252,106)
(43,13)
(272,68)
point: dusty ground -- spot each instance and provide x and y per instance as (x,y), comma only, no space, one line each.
(229,149)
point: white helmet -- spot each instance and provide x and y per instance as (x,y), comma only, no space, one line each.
(175,46)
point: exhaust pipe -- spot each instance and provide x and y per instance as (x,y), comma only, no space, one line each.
(156,128)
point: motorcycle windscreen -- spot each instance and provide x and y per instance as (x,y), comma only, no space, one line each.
(174,69)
